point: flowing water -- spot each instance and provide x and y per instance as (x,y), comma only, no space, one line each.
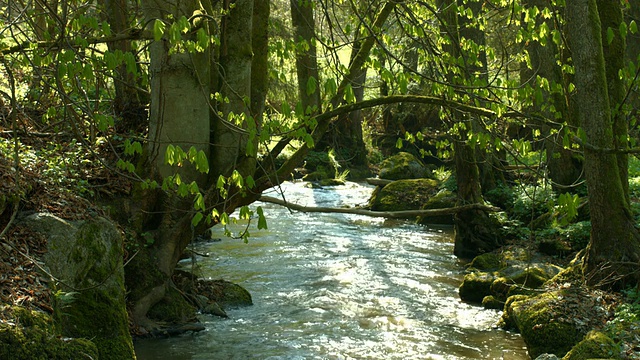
(339,286)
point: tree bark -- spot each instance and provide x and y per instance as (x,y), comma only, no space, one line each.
(475,231)
(231,129)
(126,103)
(613,253)
(179,115)
(306,56)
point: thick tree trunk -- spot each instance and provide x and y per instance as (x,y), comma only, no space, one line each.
(613,254)
(564,166)
(231,131)
(610,13)
(179,115)
(306,57)
(475,232)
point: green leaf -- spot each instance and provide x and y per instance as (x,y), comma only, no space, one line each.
(633,27)
(250,182)
(623,30)
(202,164)
(169,155)
(609,35)
(311,85)
(158,29)
(196,219)
(199,202)
(262,220)
(399,143)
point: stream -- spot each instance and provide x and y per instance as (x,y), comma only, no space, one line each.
(339,286)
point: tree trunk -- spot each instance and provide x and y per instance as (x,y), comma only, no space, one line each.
(126,103)
(610,14)
(475,231)
(306,56)
(231,130)
(564,166)
(613,253)
(179,115)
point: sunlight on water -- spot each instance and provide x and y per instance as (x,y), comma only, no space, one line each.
(337,286)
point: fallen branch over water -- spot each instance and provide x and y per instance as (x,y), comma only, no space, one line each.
(405,214)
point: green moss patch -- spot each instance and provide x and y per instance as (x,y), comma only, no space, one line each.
(403,166)
(595,345)
(32,336)
(404,195)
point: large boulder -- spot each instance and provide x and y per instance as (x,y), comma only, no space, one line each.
(443,199)
(33,336)
(85,258)
(404,195)
(541,326)
(596,345)
(493,277)
(403,166)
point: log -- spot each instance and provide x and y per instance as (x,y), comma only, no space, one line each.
(404,214)
(378,182)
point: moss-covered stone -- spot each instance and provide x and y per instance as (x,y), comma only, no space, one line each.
(541,327)
(173,308)
(443,199)
(476,286)
(332,182)
(487,261)
(32,336)
(507,321)
(403,166)
(595,345)
(89,301)
(491,302)
(404,195)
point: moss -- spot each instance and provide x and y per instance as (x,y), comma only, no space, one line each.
(404,195)
(476,286)
(403,166)
(173,308)
(595,345)
(490,302)
(487,261)
(541,327)
(33,337)
(507,321)
(331,182)
(233,295)
(101,317)
(443,199)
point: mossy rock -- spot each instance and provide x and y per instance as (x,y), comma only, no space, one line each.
(404,195)
(486,261)
(320,173)
(532,275)
(332,182)
(33,336)
(541,326)
(173,308)
(506,321)
(225,293)
(554,247)
(403,165)
(476,286)
(595,345)
(443,199)
(87,255)
(491,302)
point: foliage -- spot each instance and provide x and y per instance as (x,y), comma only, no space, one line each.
(532,201)
(625,326)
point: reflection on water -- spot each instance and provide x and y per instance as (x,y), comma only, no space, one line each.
(339,286)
